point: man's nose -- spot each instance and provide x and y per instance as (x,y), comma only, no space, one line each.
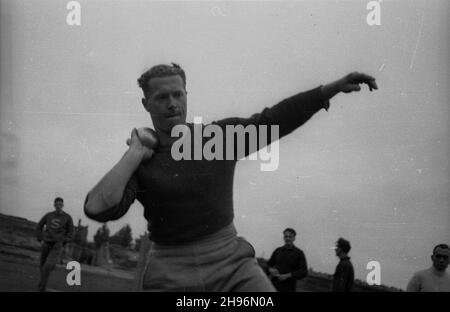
(171,102)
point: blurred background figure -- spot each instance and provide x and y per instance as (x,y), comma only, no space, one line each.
(436,278)
(344,275)
(287,264)
(55,229)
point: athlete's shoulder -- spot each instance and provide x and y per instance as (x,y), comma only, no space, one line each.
(348,262)
(446,276)
(278,249)
(282,249)
(49,214)
(66,215)
(298,250)
(422,273)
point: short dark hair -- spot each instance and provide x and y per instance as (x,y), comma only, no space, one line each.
(58,199)
(343,244)
(161,70)
(290,230)
(442,246)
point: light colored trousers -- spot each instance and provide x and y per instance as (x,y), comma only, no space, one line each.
(221,262)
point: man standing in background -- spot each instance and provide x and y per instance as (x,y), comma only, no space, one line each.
(436,278)
(287,264)
(344,275)
(54,230)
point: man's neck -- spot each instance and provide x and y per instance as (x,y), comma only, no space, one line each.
(437,272)
(165,138)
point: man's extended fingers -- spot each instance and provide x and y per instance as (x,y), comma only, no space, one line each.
(360,77)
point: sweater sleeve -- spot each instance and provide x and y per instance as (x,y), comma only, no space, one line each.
(40,227)
(343,278)
(117,211)
(288,115)
(271,262)
(302,267)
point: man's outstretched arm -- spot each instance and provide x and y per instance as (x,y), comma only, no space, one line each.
(294,111)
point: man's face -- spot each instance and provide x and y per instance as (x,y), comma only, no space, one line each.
(337,251)
(289,238)
(167,102)
(59,206)
(441,259)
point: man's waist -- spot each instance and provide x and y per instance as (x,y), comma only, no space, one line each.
(191,238)
(54,236)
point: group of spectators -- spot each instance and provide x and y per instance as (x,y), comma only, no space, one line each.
(288,264)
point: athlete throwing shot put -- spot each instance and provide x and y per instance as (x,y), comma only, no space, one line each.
(189,203)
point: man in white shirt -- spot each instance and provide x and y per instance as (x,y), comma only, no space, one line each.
(436,278)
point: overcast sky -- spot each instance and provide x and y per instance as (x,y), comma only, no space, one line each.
(373,169)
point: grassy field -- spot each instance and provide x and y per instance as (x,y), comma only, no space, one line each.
(19,271)
(20,274)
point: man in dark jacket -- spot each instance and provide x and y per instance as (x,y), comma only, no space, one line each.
(344,275)
(55,229)
(287,264)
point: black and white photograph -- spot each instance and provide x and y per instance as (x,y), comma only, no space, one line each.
(254,147)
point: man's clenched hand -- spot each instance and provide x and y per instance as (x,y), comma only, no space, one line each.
(352,81)
(135,143)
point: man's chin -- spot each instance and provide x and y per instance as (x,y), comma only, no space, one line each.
(175,121)
(169,124)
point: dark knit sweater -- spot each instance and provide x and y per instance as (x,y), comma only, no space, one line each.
(344,276)
(188,199)
(55,227)
(288,260)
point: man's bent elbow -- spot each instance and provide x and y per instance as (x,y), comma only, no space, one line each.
(94,208)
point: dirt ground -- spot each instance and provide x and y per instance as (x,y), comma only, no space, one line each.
(22,275)
(19,272)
